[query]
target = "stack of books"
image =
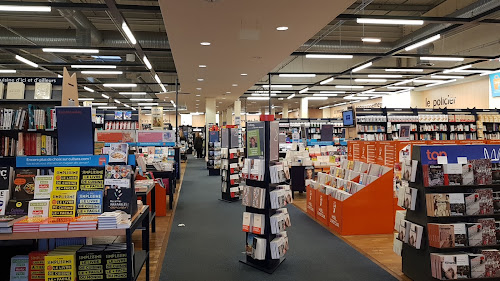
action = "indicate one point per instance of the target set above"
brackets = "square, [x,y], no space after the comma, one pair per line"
[6,223]
[83,223]
[55,224]
[113,220]
[61,262]
[28,225]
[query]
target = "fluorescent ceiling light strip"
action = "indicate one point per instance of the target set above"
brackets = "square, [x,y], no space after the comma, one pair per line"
[490,72]
[120,85]
[147,63]
[441,83]
[447,77]
[326,81]
[103,72]
[404,69]
[88,89]
[371,40]
[85,99]
[325,107]
[317,98]
[326,56]
[147,107]
[290,96]
[404,82]
[332,92]
[148,99]
[79,51]
[262,94]
[126,105]
[92,66]
[258,98]
[277,86]
[349,87]
[360,80]
[442,58]
[8,71]
[400,88]
[157,78]
[132,93]
[385,75]
[423,42]
[457,69]
[366,65]
[26,61]
[473,71]
[370,95]
[389,21]
[423,81]
[129,33]
[163,88]
[147,103]
[107,107]
[99,103]
[355,98]
[20,8]
[133,108]
[338,104]
[117,101]
[304,90]
[297,75]
[105,96]
[173,103]
[325,95]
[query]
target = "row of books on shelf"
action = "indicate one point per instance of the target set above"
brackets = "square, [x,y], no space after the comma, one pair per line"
[233,179]
[327,150]
[371,118]
[492,118]
[254,197]
[88,262]
[232,168]
[463,127]
[433,127]
[279,172]
[396,127]
[463,136]
[28,144]
[370,128]
[479,202]
[421,118]
[483,264]
[231,153]
[27,118]
[433,136]
[482,232]
[373,137]
[253,169]
[121,125]
[15,90]
[468,172]
[349,166]
[256,246]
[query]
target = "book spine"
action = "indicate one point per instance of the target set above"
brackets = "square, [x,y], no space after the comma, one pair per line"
[38,144]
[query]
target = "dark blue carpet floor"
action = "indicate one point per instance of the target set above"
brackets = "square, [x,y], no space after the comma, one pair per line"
[211,243]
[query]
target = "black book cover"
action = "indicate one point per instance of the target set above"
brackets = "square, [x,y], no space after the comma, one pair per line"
[90,262]
[23,185]
[119,199]
[4,178]
[17,208]
[91,178]
[115,259]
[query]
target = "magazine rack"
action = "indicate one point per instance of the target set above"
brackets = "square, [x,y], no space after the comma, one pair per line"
[227,194]
[368,211]
[412,256]
[268,265]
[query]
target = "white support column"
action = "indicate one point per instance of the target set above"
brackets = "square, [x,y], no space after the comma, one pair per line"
[304,108]
[210,111]
[285,110]
[229,116]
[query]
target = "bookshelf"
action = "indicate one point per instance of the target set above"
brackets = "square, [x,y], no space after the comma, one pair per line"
[230,170]
[214,146]
[266,131]
[311,127]
[412,256]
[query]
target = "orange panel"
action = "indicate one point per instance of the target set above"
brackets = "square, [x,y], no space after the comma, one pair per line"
[311,201]
[334,214]
[371,151]
[322,207]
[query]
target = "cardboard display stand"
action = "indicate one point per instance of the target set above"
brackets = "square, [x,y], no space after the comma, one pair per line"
[368,211]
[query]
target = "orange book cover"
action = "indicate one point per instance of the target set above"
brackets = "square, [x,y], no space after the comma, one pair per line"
[37,266]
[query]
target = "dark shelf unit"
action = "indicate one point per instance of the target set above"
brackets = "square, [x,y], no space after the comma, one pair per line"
[268,265]
[213,138]
[226,142]
[416,263]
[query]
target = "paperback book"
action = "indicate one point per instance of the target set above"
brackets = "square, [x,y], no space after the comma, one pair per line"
[23,185]
[89,202]
[91,178]
[38,208]
[62,203]
[4,200]
[5,177]
[482,171]
[66,178]
[17,208]
[19,268]
[43,186]
[433,175]
[37,265]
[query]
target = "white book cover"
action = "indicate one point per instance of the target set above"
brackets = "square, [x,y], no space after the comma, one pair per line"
[258,224]
[43,186]
[43,91]
[247,221]
[38,209]
[4,199]
[2,86]
[15,91]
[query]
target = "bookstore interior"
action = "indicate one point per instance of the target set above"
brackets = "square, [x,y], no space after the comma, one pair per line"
[371,126]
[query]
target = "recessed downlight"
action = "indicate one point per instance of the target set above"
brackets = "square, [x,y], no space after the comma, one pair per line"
[200,79]
[243,74]
[282,28]
[202,66]
[205,43]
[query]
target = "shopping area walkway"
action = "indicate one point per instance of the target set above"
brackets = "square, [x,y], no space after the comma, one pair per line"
[210,244]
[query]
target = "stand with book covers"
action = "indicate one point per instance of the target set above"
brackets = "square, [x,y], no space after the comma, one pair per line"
[214,146]
[452,231]
[230,169]
[261,149]
[368,211]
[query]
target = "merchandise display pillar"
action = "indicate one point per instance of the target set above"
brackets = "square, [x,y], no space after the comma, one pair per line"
[285,111]
[304,108]
[210,110]
[229,116]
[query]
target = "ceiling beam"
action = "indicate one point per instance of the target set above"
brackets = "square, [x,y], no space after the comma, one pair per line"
[105,49]
[399,55]
[396,7]
[86,6]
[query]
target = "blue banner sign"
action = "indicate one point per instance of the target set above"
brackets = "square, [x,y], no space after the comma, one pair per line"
[429,154]
[495,84]
[65,161]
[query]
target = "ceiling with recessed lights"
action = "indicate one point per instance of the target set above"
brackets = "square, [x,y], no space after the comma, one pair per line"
[246,40]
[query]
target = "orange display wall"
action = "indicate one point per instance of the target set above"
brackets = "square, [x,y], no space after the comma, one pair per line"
[368,211]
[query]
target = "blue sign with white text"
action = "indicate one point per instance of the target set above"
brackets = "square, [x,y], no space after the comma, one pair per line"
[429,154]
[65,161]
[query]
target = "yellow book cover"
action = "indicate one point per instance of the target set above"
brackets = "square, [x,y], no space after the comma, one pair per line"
[60,267]
[66,178]
[62,204]
[44,145]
